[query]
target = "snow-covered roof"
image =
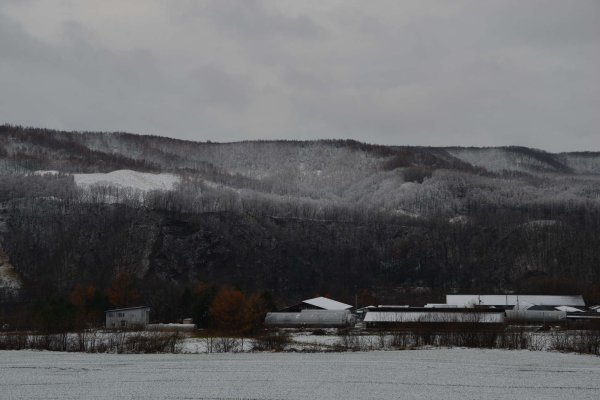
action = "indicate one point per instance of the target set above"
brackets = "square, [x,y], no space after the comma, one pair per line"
[392,306]
[439,305]
[469,300]
[568,309]
[327,304]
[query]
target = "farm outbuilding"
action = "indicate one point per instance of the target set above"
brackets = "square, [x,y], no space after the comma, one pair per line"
[415,316]
[127,318]
[310,319]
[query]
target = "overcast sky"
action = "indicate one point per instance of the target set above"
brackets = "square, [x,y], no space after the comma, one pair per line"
[471,73]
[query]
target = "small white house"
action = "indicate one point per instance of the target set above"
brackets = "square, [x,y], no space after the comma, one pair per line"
[127,318]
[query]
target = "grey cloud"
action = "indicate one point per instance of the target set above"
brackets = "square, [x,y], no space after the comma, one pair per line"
[84,86]
[301,79]
[420,73]
[251,19]
[548,22]
[213,86]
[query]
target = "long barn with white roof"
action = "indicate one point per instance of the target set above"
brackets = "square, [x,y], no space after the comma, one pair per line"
[509,301]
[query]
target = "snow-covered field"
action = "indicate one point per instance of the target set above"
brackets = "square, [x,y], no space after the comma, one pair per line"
[417,374]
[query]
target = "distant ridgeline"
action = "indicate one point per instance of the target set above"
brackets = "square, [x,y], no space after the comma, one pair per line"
[292,218]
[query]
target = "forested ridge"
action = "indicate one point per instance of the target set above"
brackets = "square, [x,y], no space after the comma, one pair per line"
[290,219]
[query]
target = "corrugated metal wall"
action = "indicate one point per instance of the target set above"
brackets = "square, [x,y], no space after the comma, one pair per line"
[314,318]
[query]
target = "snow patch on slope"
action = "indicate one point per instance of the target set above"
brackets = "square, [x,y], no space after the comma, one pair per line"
[124,178]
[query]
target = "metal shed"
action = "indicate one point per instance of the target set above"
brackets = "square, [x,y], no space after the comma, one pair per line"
[427,316]
[127,318]
[536,315]
[310,318]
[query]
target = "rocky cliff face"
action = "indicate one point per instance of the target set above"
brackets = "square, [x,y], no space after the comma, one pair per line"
[10,282]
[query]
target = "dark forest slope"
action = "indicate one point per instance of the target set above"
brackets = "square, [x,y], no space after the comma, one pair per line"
[294,218]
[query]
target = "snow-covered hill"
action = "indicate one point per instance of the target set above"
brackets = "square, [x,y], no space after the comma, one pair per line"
[412,181]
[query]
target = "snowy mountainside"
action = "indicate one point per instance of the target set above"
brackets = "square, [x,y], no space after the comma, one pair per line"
[299,167]
[412,180]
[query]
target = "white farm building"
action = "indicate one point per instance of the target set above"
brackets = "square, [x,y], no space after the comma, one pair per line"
[418,316]
[510,301]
